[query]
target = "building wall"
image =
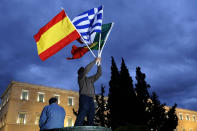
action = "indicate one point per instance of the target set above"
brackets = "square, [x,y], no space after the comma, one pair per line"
[12,105]
[32,107]
[184,124]
[4,109]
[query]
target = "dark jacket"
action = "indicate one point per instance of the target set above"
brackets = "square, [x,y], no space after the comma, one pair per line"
[86,84]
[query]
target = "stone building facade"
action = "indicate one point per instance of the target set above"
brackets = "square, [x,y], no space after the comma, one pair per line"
[22,104]
[187,120]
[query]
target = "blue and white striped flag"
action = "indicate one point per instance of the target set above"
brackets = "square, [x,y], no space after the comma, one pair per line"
[88,23]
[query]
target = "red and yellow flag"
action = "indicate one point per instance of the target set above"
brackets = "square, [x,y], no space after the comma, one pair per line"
[55,35]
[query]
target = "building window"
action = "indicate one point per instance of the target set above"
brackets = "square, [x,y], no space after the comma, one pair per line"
[21,118]
[70,101]
[25,95]
[70,121]
[187,117]
[37,118]
[194,118]
[180,116]
[40,97]
[58,98]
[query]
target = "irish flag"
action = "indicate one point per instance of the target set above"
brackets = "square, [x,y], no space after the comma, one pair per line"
[55,35]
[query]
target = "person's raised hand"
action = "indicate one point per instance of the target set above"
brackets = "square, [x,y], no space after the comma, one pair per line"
[98,61]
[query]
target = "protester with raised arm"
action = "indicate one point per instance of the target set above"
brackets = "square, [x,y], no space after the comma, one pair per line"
[87,93]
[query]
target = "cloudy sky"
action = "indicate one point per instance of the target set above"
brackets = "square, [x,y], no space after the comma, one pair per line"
[160,36]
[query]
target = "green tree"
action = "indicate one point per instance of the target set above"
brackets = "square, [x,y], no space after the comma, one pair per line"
[113,104]
[143,98]
[100,115]
[172,119]
[127,97]
[134,108]
[157,114]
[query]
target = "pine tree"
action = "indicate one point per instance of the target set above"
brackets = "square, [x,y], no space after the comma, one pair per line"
[135,107]
[100,115]
[172,119]
[113,105]
[127,97]
[157,114]
[143,97]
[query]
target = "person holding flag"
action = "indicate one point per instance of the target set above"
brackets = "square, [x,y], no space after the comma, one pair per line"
[87,93]
[88,24]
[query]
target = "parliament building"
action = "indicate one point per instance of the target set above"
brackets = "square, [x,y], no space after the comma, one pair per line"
[22,104]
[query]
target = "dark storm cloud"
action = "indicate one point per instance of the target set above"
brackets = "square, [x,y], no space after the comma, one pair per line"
[158,36]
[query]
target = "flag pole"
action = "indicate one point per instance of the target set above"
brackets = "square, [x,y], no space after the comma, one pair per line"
[99,50]
[84,41]
[106,40]
[88,46]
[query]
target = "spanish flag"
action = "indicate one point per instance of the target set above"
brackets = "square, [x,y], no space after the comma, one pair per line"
[55,35]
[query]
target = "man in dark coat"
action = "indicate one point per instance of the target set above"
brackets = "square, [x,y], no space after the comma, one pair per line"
[87,93]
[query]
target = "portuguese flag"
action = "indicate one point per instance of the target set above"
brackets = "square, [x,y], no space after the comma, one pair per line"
[78,52]
[55,35]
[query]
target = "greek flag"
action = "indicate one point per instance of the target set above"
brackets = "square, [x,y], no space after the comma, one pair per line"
[88,23]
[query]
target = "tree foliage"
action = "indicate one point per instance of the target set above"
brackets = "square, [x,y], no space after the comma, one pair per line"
[143,97]
[135,106]
[171,119]
[157,113]
[112,106]
[101,114]
[127,97]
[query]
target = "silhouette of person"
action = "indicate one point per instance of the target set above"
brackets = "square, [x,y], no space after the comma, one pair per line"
[87,93]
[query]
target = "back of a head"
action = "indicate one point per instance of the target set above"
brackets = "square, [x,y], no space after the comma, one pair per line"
[52,100]
[80,71]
